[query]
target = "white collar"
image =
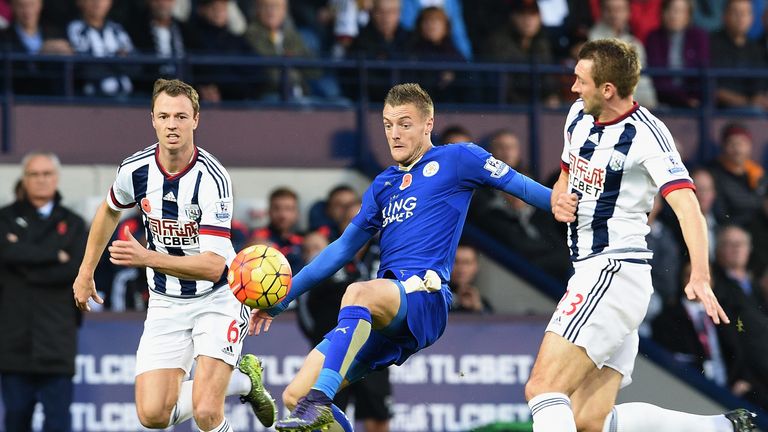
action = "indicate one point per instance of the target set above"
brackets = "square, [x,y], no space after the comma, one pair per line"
[408,167]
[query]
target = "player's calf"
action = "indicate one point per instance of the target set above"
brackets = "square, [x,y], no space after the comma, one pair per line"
[589,423]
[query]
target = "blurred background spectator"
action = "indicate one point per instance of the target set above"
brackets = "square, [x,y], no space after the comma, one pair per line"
[735,289]
[314,20]
[677,45]
[95,35]
[26,34]
[466,296]
[454,133]
[522,41]
[281,232]
[349,17]
[527,230]
[735,49]
[237,21]
[158,33]
[614,23]
[382,39]
[328,216]
[412,9]
[758,230]
[213,36]
[271,34]
[684,329]
[708,14]
[431,42]
[41,246]
[739,180]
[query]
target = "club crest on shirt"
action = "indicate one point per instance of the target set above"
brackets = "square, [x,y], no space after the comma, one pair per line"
[496,167]
[617,161]
[192,211]
[222,210]
[431,169]
[407,180]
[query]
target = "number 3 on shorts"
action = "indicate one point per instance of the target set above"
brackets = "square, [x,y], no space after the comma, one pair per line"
[571,309]
[233,332]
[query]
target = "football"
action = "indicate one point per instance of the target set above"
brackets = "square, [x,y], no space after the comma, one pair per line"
[259,276]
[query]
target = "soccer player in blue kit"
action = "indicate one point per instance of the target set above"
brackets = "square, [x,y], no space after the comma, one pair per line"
[419,207]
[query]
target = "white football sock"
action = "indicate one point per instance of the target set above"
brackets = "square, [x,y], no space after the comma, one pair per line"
[551,412]
[239,384]
[643,417]
[182,411]
[223,427]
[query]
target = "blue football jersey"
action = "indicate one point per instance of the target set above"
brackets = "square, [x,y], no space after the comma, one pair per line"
[421,210]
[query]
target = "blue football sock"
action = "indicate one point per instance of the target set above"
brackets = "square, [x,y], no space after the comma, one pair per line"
[349,336]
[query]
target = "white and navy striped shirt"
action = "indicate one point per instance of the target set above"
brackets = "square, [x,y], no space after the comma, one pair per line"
[617,169]
[184,214]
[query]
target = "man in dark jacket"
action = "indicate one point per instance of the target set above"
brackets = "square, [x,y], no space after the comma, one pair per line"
[41,246]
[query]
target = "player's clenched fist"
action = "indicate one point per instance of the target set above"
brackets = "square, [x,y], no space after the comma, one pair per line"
[565,207]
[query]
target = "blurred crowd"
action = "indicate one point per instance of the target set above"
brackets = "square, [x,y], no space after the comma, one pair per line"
[670,35]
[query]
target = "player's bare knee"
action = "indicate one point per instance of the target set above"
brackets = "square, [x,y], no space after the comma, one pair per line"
[356,294]
[207,416]
[531,389]
[153,418]
[536,385]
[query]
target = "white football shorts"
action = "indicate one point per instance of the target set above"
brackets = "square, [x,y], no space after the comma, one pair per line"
[602,309]
[178,330]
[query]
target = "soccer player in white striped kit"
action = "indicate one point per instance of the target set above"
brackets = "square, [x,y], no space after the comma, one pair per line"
[616,157]
[185,196]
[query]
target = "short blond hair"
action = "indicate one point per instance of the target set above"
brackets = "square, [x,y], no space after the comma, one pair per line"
[410,93]
[613,61]
[175,88]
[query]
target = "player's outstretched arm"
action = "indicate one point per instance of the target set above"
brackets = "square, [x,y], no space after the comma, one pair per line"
[104,223]
[694,227]
[530,191]
[204,266]
[325,264]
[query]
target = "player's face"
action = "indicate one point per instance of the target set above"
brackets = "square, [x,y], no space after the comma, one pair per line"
[585,86]
[174,121]
[407,132]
